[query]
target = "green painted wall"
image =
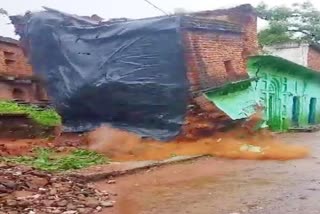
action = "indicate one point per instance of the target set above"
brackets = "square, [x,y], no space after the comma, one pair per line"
[237,105]
[283,86]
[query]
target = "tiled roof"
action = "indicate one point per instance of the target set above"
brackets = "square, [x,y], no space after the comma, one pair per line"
[243,7]
[9,40]
[191,22]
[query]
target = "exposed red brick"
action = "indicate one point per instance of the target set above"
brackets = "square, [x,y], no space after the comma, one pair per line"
[12,60]
[246,17]
[206,54]
[13,68]
[214,59]
[314,58]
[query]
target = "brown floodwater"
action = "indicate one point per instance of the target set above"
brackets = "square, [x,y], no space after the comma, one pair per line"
[124,146]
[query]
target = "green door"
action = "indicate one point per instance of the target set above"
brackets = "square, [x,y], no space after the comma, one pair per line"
[312,111]
[274,117]
[296,111]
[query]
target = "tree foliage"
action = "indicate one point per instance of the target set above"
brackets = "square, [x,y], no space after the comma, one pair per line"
[300,23]
[3,12]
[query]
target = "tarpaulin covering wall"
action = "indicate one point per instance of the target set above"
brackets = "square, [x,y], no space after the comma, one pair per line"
[128,74]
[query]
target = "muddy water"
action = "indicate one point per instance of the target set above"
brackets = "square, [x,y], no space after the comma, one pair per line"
[124,146]
[222,186]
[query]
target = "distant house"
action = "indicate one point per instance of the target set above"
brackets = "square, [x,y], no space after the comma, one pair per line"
[304,54]
[289,92]
[17,81]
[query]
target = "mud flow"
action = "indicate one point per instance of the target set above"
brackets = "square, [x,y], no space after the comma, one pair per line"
[238,143]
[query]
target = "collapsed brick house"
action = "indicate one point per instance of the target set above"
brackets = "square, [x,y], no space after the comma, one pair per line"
[16,78]
[210,62]
[218,58]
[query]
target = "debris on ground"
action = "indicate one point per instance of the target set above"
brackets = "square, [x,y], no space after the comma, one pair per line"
[111,181]
[251,148]
[24,190]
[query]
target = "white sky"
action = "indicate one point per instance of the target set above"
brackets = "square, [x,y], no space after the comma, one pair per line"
[121,8]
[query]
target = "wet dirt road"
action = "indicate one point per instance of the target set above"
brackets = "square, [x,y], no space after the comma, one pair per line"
[221,186]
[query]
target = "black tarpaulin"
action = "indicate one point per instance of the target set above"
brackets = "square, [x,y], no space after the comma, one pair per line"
[128,74]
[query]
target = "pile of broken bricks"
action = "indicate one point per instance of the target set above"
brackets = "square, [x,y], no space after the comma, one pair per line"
[24,190]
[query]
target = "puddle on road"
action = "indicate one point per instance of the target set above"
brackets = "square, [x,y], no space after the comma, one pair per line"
[123,146]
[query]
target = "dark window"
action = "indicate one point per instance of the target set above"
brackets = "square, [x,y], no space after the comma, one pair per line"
[8,53]
[229,67]
[18,94]
[8,57]
[9,61]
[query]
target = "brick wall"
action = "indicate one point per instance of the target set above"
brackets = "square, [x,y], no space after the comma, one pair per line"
[13,65]
[12,60]
[246,17]
[213,59]
[5,92]
[208,56]
[27,92]
[314,59]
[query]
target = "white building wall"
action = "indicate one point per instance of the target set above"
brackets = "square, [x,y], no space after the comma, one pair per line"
[297,53]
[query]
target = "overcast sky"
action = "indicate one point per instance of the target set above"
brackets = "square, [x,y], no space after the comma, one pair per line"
[120,8]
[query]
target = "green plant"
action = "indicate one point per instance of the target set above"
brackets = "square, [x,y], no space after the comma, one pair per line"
[49,160]
[46,117]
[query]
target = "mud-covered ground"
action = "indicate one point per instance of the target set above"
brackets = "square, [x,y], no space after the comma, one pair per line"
[221,186]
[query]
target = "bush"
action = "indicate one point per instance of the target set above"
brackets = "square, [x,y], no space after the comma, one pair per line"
[45,117]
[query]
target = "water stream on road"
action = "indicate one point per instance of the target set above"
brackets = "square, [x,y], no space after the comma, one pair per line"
[235,144]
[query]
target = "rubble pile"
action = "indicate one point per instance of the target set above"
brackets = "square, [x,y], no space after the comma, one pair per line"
[24,190]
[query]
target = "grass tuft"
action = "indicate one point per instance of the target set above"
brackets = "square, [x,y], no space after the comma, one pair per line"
[49,160]
[45,117]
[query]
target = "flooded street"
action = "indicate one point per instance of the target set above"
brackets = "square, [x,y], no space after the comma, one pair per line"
[222,186]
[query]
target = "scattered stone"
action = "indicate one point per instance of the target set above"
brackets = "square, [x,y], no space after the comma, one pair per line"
[84,210]
[62,203]
[71,207]
[11,203]
[92,202]
[70,212]
[111,182]
[106,203]
[22,194]
[36,192]
[3,189]
[37,182]
[9,184]
[48,203]
[53,191]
